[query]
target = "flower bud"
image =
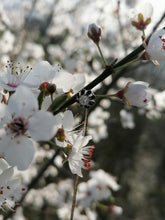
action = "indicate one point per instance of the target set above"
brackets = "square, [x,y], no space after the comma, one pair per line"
[94,32]
[141,17]
[135,94]
[48,88]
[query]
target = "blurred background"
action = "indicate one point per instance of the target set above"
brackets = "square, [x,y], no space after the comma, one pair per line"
[129,142]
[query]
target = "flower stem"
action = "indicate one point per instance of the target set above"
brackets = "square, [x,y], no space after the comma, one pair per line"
[126,64]
[54,145]
[74,197]
[51,96]
[101,206]
[143,36]
[106,96]
[77,177]
[101,54]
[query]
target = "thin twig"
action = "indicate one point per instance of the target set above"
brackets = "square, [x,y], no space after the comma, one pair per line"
[77,177]
[109,70]
[121,28]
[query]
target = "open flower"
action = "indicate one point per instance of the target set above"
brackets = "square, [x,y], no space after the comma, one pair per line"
[80,155]
[20,121]
[135,94]
[8,187]
[97,188]
[66,122]
[43,72]
[14,76]
[156,46]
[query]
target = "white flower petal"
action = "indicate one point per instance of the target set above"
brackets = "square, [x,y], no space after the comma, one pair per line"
[39,74]
[20,153]
[5,114]
[6,175]
[75,167]
[23,102]
[42,126]
[155,46]
[68,120]
[3,164]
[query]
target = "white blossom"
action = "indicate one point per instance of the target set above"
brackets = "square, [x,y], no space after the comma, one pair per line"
[127,119]
[135,94]
[64,81]
[81,154]
[66,125]
[156,45]
[8,187]
[20,121]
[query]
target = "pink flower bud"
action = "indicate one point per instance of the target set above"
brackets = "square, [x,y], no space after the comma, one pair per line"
[94,32]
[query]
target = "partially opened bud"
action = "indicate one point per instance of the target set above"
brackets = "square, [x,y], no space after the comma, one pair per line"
[94,32]
[141,16]
[156,45]
[135,94]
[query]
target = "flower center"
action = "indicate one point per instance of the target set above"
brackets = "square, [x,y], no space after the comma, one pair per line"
[60,135]
[18,126]
[16,74]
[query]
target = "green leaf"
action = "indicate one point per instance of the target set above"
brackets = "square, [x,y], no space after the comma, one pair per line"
[134,23]
[148,20]
[58,102]
[140,17]
[41,98]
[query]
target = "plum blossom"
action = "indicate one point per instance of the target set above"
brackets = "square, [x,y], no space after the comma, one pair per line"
[156,46]
[127,119]
[78,154]
[95,189]
[8,187]
[64,81]
[21,122]
[14,76]
[135,94]
[66,122]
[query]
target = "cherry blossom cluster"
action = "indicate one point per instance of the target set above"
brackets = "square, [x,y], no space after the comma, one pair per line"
[35,110]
